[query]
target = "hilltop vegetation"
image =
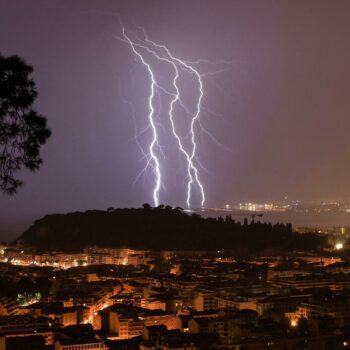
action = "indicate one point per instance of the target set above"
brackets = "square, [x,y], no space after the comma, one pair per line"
[159,228]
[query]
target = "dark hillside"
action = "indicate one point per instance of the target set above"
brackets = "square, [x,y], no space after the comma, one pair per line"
[158,228]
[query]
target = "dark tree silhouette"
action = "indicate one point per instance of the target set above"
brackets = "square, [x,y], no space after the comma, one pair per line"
[146,206]
[22,129]
[145,228]
[303,326]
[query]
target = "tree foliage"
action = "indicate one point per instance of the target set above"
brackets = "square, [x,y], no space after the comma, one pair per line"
[22,129]
[160,228]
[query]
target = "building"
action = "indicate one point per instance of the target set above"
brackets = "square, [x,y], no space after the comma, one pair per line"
[79,344]
[125,324]
[204,301]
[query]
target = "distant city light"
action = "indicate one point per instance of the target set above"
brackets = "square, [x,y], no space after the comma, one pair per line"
[293,323]
[338,246]
[261,207]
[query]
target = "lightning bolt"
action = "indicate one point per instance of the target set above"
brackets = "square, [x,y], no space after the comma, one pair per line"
[189,156]
[162,53]
[154,141]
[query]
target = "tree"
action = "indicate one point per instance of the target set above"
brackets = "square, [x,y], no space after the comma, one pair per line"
[22,129]
[303,326]
[146,206]
[327,324]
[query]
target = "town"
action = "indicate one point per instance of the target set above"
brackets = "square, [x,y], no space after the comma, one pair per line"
[105,298]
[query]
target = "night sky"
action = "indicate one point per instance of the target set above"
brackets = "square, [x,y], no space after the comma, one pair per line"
[281,108]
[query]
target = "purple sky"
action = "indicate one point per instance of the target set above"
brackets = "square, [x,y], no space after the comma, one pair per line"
[282,108]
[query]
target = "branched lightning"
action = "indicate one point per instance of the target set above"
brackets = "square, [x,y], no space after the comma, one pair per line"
[154,141]
[162,53]
[190,156]
[137,134]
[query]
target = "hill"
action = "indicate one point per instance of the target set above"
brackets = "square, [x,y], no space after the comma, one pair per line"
[159,228]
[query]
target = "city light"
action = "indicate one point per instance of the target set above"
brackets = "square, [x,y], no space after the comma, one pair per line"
[338,246]
[260,207]
[293,323]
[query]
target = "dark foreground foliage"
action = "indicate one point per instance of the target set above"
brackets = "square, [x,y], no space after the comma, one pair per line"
[159,228]
[22,129]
